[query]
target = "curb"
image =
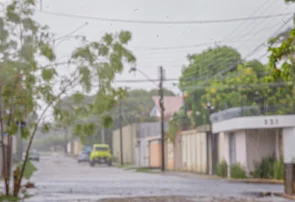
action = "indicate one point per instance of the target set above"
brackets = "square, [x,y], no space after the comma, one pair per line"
[277,194]
[188,174]
[214,177]
[286,196]
[257,181]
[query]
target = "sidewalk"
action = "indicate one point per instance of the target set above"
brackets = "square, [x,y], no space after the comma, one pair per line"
[247,180]
[256,181]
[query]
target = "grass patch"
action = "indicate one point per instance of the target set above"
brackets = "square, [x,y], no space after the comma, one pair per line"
[237,172]
[146,170]
[8,198]
[222,169]
[123,166]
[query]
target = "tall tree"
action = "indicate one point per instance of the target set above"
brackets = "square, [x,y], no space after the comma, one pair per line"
[35,86]
[198,74]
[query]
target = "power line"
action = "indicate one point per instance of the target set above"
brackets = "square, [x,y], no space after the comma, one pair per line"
[144,80]
[208,42]
[241,24]
[223,71]
[72,32]
[242,86]
[252,52]
[166,22]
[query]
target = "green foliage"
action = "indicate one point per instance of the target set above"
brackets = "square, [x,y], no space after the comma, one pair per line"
[237,172]
[9,198]
[29,170]
[48,142]
[174,127]
[222,169]
[201,67]
[178,122]
[279,170]
[136,106]
[48,74]
[235,88]
[23,41]
[265,169]
[269,168]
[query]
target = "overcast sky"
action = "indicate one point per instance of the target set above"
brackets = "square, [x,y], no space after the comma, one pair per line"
[244,36]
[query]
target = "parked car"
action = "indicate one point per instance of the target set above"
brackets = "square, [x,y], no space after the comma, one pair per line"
[34,155]
[87,148]
[83,156]
[100,154]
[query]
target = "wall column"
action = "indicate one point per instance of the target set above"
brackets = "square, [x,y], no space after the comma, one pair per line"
[289,160]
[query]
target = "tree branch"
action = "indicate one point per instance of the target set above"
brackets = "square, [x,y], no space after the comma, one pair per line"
[34,132]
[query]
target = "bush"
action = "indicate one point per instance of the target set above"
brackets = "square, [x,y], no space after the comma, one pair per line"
[279,170]
[222,169]
[265,169]
[236,171]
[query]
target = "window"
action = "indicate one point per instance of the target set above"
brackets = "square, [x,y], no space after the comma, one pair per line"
[101,148]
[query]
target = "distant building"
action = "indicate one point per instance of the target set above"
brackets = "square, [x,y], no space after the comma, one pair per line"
[172,104]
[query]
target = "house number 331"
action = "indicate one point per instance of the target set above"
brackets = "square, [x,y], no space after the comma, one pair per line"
[271,121]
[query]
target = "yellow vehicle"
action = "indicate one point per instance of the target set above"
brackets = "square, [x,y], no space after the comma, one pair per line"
[100,154]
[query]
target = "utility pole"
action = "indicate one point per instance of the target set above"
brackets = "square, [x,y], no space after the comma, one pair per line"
[18,141]
[161,93]
[121,133]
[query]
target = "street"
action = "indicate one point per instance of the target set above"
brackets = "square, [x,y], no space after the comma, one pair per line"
[61,178]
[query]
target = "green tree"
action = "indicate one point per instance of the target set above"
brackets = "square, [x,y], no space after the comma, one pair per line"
[34,86]
[282,49]
[136,107]
[198,75]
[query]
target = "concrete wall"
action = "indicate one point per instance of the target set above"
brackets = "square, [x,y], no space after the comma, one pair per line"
[194,151]
[142,158]
[144,131]
[260,144]
[150,129]
[251,146]
[129,144]
[69,149]
[169,155]
[77,147]
[155,153]
[289,148]
[254,122]
[241,148]
[222,145]
[178,152]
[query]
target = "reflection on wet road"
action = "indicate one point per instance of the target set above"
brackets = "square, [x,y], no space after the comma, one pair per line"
[61,178]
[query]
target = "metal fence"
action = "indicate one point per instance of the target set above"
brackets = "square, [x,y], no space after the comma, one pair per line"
[251,111]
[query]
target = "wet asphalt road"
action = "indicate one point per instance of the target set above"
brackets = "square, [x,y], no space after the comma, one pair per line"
[61,178]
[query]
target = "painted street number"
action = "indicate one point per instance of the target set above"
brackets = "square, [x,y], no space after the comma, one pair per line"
[271,121]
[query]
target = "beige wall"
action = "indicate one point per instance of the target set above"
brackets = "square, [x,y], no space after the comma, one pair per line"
[251,147]
[194,151]
[155,151]
[241,149]
[129,144]
[77,147]
[222,152]
[170,155]
[178,152]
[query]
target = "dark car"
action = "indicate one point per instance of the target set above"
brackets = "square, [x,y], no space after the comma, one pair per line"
[83,156]
[34,155]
